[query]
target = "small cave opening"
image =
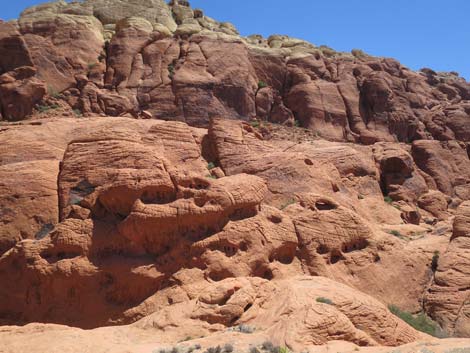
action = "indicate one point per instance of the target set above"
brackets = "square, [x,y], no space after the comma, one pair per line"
[243,213]
[355,245]
[275,219]
[324,205]
[335,257]
[322,249]
[284,255]
[268,274]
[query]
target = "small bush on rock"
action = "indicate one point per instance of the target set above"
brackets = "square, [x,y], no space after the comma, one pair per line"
[262,84]
[324,300]
[420,322]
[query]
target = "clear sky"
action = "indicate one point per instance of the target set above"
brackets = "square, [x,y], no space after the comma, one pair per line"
[419,33]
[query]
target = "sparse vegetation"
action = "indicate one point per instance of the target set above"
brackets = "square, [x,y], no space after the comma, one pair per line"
[210,166]
[268,346]
[52,92]
[396,233]
[388,199]
[210,176]
[243,328]
[327,51]
[227,348]
[171,70]
[271,348]
[255,123]
[435,261]
[358,53]
[262,84]
[91,66]
[296,123]
[287,203]
[324,300]
[45,108]
[420,322]
[77,113]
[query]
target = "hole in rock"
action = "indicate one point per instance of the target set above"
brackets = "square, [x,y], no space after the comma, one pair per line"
[243,213]
[308,162]
[335,257]
[324,205]
[61,255]
[355,245]
[275,219]
[284,255]
[268,274]
[247,307]
[322,249]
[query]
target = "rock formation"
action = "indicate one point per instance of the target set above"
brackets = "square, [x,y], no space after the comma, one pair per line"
[169,179]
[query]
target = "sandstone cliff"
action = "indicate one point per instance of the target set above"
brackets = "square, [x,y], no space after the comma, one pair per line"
[163,175]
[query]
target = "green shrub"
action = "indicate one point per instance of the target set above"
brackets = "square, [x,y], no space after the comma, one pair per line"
[396,233]
[287,203]
[77,113]
[227,348]
[44,108]
[420,322]
[296,123]
[211,166]
[435,261]
[262,84]
[255,123]
[243,328]
[171,70]
[324,300]
[92,65]
[210,176]
[388,199]
[358,53]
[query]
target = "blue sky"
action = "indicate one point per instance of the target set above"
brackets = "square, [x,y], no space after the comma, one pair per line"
[419,33]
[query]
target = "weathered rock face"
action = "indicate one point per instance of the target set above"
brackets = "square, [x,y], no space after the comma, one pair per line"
[134,210]
[259,201]
[171,60]
[448,297]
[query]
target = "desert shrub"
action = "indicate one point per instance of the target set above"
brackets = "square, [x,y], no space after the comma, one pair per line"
[255,123]
[77,113]
[217,349]
[171,70]
[210,176]
[420,322]
[268,346]
[395,233]
[435,261]
[287,203]
[243,328]
[358,53]
[262,84]
[45,108]
[227,348]
[327,51]
[296,123]
[210,166]
[324,300]
[91,65]
[388,199]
